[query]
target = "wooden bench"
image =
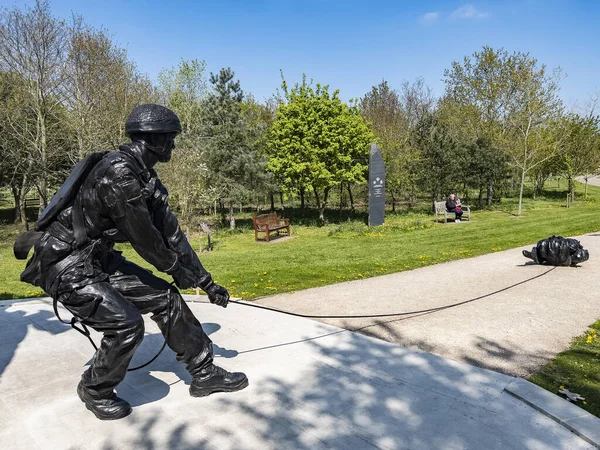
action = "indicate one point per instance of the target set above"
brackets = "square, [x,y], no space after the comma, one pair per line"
[441,211]
[265,223]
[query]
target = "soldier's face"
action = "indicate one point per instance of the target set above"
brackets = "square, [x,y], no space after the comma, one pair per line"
[168,144]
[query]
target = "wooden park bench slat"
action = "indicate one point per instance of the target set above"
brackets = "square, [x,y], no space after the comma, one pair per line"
[265,223]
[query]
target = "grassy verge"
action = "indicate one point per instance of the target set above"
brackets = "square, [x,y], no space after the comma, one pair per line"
[576,369]
[318,256]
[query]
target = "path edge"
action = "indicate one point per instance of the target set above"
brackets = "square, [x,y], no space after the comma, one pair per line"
[565,413]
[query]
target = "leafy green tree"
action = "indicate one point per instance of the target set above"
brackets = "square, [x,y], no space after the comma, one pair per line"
[317,142]
[394,115]
[184,88]
[507,99]
[579,154]
[534,104]
[474,106]
[382,107]
[443,159]
[234,168]
[486,166]
[258,118]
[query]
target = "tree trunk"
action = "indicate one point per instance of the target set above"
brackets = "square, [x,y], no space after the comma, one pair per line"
[393,202]
[231,217]
[272,202]
[341,198]
[317,199]
[571,188]
[18,206]
[586,185]
[521,192]
[43,181]
[281,200]
[23,206]
[323,205]
[222,210]
[351,197]
[489,194]
[412,199]
[480,197]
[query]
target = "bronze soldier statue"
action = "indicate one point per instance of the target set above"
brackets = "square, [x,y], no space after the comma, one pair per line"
[117,197]
[558,251]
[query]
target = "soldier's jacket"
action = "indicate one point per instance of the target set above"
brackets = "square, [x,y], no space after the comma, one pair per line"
[121,200]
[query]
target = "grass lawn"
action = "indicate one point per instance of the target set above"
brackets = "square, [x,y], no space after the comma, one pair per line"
[318,256]
[576,369]
[349,250]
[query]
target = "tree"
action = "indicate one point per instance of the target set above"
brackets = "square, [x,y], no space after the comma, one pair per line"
[33,45]
[579,153]
[382,107]
[317,142]
[17,159]
[393,116]
[233,164]
[474,107]
[533,103]
[485,166]
[442,157]
[506,99]
[184,89]
[258,118]
[101,88]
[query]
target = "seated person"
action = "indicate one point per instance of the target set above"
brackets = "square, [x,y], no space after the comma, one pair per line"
[453,205]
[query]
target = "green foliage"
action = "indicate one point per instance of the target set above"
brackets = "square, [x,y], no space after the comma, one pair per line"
[318,256]
[442,157]
[183,89]
[577,370]
[507,99]
[579,152]
[390,121]
[317,142]
[234,166]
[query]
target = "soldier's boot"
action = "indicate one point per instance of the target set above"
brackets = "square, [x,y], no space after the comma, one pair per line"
[107,408]
[216,379]
[531,255]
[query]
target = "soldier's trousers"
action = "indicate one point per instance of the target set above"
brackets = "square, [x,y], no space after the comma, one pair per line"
[114,307]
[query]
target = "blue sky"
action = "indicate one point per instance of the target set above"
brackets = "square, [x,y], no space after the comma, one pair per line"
[350,45]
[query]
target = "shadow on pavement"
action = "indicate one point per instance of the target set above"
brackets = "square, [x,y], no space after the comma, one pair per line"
[325,389]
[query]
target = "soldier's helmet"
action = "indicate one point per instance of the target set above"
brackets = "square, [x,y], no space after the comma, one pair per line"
[151,118]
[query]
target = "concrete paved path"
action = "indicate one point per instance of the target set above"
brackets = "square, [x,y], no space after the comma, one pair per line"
[594,181]
[514,331]
[312,386]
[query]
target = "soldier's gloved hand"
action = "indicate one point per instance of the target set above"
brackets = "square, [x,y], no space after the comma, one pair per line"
[217,294]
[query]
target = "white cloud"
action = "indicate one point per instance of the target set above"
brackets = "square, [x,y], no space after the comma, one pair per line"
[468,11]
[429,18]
